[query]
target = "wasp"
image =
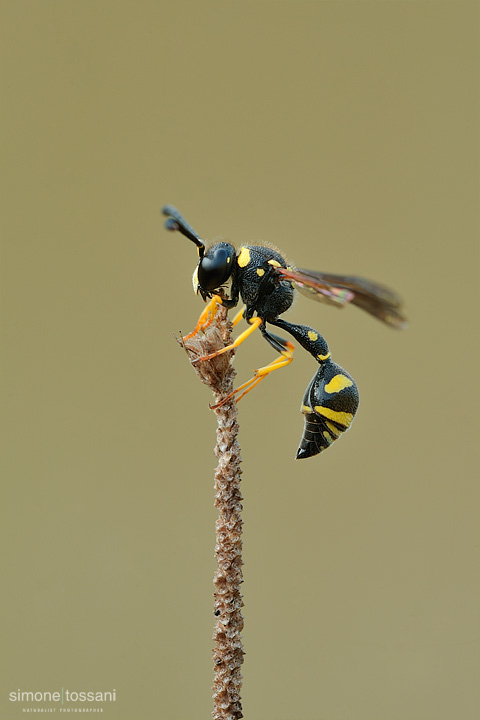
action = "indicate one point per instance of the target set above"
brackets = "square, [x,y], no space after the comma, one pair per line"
[266,283]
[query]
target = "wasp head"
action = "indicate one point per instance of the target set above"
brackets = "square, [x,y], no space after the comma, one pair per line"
[215,265]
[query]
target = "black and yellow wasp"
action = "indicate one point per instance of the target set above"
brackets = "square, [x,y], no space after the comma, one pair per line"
[260,276]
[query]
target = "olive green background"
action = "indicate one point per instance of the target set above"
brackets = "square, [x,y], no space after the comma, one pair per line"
[347,134]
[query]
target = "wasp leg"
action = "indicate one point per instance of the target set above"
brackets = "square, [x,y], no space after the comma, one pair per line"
[284,359]
[206,316]
[284,347]
[254,324]
[238,316]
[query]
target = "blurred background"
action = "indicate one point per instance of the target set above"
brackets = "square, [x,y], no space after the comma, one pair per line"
[345,133]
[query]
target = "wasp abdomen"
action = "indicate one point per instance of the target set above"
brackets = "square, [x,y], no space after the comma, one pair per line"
[329,406]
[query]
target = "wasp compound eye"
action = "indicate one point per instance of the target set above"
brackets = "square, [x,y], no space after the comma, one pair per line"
[216,266]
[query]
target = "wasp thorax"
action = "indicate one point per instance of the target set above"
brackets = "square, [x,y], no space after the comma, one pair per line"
[215,267]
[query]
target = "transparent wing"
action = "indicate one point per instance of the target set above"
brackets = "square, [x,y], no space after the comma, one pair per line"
[340,290]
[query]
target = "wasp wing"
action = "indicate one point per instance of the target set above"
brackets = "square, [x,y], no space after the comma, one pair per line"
[340,290]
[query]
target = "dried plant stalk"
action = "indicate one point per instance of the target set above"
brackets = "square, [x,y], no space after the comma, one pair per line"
[228,653]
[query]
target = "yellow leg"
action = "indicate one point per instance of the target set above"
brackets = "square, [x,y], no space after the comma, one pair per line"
[238,316]
[206,316]
[281,361]
[254,324]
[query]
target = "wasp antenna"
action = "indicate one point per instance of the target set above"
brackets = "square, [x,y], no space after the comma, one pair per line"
[177,222]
